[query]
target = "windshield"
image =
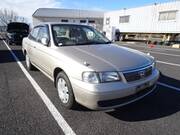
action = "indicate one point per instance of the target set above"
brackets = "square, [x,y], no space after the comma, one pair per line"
[65,35]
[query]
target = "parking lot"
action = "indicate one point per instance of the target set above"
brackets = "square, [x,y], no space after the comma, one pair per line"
[29,103]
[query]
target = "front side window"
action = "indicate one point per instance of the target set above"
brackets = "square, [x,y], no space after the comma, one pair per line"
[43,33]
[65,35]
[34,33]
[167,15]
[124,19]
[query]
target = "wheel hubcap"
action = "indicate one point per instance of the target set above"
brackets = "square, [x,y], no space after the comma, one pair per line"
[63,90]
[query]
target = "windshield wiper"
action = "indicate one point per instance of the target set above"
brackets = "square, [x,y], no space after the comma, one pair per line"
[92,43]
[85,43]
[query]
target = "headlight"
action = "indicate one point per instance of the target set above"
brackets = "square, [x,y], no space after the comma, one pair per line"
[94,77]
[90,77]
[109,76]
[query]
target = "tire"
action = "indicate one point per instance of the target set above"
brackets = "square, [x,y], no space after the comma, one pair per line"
[28,63]
[65,91]
[9,42]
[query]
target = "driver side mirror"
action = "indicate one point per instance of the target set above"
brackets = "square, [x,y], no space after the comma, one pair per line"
[45,41]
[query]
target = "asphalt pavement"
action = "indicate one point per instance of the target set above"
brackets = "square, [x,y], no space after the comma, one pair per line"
[22,111]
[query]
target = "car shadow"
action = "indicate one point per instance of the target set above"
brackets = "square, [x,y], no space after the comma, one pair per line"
[169,81]
[161,103]
[6,57]
[1,38]
[80,108]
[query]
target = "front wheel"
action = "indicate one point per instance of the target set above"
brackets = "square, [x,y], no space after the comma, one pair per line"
[65,91]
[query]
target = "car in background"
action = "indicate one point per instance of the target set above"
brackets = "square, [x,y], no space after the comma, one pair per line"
[87,68]
[16,31]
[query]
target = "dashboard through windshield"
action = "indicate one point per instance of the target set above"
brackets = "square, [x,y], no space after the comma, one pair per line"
[67,35]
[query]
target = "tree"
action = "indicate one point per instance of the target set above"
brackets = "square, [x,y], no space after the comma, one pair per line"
[22,19]
[7,16]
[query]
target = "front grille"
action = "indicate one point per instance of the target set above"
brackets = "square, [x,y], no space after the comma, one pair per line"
[114,102]
[138,74]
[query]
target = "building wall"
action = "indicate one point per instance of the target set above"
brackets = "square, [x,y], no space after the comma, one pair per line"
[145,19]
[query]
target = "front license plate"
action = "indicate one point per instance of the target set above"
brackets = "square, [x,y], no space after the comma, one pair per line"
[142,87]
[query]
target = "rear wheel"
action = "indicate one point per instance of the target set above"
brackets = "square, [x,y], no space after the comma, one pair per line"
[28,63]
[65,91]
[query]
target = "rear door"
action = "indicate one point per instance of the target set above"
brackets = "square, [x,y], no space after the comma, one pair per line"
[43,59]
[32,43]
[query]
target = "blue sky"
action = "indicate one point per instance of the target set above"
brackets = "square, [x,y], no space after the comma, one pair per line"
[108,4]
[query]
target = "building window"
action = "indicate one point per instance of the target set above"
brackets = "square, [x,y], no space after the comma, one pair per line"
[167,15]
[91,21]
[108,21]
[64,20]
[83,21]
[124,19]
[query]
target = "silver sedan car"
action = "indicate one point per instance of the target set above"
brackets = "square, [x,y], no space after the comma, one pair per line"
[87,68]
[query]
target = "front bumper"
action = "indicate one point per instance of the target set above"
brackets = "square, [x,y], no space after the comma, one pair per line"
[112,95]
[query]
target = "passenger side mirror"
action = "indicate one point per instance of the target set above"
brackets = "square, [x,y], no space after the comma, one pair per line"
[45,41]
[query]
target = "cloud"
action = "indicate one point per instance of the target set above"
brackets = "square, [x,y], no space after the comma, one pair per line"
[26,8]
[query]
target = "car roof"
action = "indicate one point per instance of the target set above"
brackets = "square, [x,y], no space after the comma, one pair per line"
[58,23]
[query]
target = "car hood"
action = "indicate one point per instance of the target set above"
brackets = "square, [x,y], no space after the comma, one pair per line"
[107,57]
[17,27]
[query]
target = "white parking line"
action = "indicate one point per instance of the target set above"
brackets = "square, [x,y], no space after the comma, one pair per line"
[53,110]
[174,55]
[168,86]
[163,62]
[156,52]
[167,63]
[145,46]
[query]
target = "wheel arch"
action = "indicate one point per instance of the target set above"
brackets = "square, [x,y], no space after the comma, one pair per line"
[57,70]
[24,52]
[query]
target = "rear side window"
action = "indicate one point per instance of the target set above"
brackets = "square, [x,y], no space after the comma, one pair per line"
[34,33]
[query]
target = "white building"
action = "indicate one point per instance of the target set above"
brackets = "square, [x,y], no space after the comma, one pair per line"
[93,18]
[157,22]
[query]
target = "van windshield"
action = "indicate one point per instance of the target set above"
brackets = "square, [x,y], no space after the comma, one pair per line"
[66,35]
